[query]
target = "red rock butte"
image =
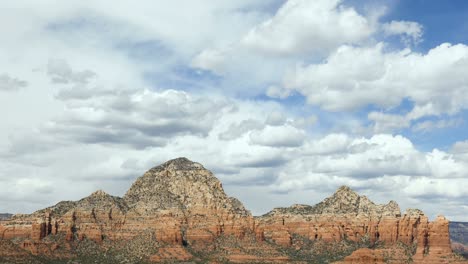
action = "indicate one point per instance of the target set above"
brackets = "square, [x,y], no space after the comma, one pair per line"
[179,212]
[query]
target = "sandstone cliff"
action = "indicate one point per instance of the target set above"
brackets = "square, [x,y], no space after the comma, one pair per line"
[348,216]
[178,211]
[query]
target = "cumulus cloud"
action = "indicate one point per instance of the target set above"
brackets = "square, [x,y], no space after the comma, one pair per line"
[211,60]
[9,84]
[301,26]
[278,136]
[276,119]
[142,119]
[409,32]
[388,122]
[380,155]
[330,144]
[434,80]
[236,130]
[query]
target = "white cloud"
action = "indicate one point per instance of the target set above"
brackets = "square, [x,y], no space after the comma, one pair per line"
[237,130]
[388,122]
[434,80]
[410,32]
[302,26]
[330,144]
[428,125]
[278,136]
[380,155]
[211,60]
[142,118]
[276,118]
[356,160]
[385,123]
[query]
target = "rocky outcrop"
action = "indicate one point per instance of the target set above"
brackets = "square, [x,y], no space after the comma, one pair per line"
[344,215]
[180,202]
[348,216]
[192,201]
[178,211]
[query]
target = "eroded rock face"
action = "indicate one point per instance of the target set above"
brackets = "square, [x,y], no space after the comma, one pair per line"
[348,216]
[191,199]
[181,202]
[178,211]
[344,215]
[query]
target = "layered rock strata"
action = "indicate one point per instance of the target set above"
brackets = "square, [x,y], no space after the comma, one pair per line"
[349,216]
[182,209]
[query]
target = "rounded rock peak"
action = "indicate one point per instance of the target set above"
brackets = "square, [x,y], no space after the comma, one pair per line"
[440,218]
[299,206]
[345,188]
[345,192]
[181,163]
[99,193]
[414,212]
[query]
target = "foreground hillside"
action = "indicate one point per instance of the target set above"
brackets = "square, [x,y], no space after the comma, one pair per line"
[179,212]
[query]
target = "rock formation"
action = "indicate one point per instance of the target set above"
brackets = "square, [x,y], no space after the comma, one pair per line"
[349,216]
[178,211]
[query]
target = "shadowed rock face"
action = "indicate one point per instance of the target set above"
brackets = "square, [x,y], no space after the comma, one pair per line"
[178,211]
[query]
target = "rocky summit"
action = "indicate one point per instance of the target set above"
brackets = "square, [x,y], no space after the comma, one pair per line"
[179,212]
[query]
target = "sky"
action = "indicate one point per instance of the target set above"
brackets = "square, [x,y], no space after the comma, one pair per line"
[284,101]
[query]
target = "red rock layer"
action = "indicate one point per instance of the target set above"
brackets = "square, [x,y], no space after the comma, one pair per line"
[183,204]
[205,226]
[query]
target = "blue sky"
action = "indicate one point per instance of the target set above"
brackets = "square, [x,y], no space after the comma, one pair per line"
[287,100]
[444,21]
